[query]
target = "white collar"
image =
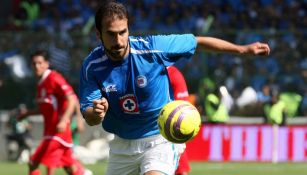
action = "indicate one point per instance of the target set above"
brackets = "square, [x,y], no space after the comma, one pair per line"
[44,76]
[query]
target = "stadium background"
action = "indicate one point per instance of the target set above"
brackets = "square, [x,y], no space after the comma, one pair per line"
[65,28]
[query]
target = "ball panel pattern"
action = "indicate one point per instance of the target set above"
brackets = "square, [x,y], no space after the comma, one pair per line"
[179,121]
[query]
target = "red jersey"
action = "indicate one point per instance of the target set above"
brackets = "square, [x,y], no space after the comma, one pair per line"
[178,84]
[52,90]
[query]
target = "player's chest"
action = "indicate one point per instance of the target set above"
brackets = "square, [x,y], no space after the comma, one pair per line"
[136,78]
[45,94]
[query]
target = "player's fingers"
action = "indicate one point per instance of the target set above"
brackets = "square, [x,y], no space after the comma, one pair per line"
[99,106]
[264,51]
[103,100]
[98,111]
[260,49]
[96,101]
[105,103]
[264,48]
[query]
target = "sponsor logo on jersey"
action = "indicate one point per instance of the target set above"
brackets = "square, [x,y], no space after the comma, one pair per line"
[129,104]
[141,81]
[110,88]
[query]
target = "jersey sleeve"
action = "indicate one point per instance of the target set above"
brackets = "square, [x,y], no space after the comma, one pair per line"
[62,87]
[174,47]
[178,84]
[88,88]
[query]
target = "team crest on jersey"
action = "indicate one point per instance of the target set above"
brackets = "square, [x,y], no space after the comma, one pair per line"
[43,93]
[141,81]
[129,104]
[43,98]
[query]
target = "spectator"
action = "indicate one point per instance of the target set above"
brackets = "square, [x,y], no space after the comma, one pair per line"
[19,133]
[216,111]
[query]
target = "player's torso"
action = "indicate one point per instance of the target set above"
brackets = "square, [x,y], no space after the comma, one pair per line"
[47,96]
[51,103]
[135,86]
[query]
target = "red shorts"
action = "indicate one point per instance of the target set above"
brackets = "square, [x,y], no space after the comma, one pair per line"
[184,165]
[51,153]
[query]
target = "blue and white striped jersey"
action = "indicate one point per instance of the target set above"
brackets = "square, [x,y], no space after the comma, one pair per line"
[137,87]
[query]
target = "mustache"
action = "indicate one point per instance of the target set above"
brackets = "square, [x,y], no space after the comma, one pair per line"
[116,47]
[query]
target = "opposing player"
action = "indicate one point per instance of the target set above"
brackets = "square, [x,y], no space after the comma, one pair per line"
[180,92]
[55,98]
[124,85]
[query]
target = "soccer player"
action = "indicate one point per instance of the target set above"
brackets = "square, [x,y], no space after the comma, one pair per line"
[124,85]
[55,98]
[76,126]
[180,92]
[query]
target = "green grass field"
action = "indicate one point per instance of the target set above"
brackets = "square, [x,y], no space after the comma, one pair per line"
[198,168]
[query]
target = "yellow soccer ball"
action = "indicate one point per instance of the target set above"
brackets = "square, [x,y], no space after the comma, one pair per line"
[179,121]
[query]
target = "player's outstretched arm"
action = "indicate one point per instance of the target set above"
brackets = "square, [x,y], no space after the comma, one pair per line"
[218,45]
[95,115]
[27,113]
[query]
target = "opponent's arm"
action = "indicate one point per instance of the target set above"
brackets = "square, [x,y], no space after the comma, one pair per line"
[66,117]
[95,115]
[79,118]
[27,113]
[218,45]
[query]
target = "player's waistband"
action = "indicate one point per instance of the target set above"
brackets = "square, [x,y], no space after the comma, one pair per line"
[60,140]
[132,146]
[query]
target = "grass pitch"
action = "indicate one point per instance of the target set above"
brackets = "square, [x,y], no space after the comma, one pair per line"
[198,168]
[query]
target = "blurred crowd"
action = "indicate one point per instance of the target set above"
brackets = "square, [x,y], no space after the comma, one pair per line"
[162,16]
[66,28]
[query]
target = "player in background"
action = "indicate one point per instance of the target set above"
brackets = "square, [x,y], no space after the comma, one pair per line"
[56,103]
[124,85]
[180,92]
[76,126]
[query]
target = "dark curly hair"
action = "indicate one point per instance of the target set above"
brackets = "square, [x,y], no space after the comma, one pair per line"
[112,10]
[39,52]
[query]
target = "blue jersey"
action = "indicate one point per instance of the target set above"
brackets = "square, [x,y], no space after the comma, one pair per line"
[137,87]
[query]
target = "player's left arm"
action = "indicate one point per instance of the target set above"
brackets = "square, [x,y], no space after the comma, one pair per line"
[67,114]
[218,45]
[79,118]
[62,88]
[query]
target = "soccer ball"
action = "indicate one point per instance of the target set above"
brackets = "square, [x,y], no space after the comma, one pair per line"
[179,121]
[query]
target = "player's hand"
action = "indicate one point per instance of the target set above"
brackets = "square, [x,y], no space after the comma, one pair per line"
[61,126]
[95,115]
[100,107]
[256,48]
[80,127]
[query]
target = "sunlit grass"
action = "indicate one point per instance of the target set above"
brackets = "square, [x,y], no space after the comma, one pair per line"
[198,168]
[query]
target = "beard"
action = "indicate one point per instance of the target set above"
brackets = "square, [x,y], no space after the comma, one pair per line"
[117,53]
